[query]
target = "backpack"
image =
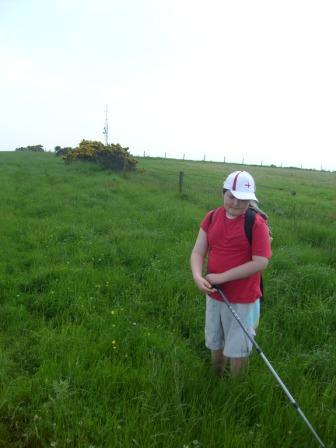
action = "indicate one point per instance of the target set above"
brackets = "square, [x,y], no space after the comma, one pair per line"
[250,216]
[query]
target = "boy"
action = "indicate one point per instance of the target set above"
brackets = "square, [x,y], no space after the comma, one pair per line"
[234,265]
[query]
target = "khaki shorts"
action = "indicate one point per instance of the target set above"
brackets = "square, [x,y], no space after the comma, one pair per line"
[222,330]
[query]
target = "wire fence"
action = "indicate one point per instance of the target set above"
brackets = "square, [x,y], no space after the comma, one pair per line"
[284,196]
[242,160]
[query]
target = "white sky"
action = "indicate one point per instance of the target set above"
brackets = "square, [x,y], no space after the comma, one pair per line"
[240,79]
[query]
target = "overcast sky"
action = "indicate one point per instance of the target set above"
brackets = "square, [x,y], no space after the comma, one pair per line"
[240,79]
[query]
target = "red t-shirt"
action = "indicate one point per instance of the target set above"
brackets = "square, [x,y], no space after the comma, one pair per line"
[229,247]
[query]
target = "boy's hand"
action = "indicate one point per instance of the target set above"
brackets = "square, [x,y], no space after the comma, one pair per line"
[204,285]
[214,279]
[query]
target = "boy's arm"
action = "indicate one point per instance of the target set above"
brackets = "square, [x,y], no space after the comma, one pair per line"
[196,261]
[257,264]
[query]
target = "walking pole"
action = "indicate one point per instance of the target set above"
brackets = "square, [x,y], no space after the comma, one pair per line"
[276,376]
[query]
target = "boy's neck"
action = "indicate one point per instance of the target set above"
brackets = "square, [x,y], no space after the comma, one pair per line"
[229,216]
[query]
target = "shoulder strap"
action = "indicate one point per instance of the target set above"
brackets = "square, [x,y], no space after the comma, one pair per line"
[250,216]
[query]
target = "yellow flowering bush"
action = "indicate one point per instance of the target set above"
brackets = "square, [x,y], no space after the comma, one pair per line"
[111,156]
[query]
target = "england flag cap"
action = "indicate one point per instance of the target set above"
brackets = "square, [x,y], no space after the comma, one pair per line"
[241,184]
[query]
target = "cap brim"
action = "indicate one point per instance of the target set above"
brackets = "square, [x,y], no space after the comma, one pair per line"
[244,196]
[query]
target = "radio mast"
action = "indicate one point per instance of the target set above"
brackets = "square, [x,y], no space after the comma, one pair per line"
[105,132]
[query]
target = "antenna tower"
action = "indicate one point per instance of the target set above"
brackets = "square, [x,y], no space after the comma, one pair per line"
[105,132]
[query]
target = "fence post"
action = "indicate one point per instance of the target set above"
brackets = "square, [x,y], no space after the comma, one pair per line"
[181,182]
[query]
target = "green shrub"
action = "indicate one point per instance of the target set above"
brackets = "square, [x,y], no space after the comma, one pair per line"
[59,151]
[35,148]
[111,156]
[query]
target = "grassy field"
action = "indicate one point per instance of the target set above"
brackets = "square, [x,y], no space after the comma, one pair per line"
[101,326]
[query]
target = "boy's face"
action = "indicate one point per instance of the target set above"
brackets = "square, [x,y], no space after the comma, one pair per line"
[234,207]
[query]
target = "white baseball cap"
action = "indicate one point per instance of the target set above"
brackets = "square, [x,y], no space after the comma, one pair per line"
[241,184]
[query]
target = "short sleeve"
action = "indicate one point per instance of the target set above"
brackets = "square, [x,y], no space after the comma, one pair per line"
[205,223]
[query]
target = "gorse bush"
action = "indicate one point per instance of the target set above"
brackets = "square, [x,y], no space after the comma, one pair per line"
[111,156]
[116,157]
[34,148]
[86,150]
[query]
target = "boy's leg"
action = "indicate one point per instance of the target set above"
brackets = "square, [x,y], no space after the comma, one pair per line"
[219,361]
[238,366]
[214,335]
[238,347]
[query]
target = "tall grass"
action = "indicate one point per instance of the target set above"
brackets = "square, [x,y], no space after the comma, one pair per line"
[102,327]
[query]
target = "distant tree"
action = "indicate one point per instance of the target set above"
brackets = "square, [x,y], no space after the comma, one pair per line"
[59,151]
[35,148]
[111,156]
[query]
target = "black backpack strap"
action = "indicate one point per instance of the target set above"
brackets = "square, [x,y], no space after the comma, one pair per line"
[261,289]
[250,216]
